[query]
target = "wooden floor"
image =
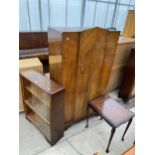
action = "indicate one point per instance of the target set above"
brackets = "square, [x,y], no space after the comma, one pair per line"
[77,139]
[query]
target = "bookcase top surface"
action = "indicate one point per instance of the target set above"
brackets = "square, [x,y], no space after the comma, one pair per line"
[49,86]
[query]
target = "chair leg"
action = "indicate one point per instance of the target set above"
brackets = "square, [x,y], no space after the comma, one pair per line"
[126,129]
[87,116]
[111,136]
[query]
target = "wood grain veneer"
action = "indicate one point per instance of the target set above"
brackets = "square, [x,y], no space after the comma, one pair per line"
[33,40]
[87,57]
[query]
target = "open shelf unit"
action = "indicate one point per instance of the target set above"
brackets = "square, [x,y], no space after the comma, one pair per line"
[39,109]
[43,102]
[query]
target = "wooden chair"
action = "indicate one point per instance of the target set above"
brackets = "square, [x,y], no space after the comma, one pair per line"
[112,112]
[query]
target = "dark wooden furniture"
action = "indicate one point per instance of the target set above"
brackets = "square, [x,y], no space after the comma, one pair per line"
[112,112]
[44,104]
[41,53]
[130,151]
[128,83]
[87,58]
[33,40]
[120,62]
[34,44]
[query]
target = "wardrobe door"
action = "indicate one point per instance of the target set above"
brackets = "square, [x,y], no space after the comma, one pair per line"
[96,53]
[85,62]
[111,45]
[70,42]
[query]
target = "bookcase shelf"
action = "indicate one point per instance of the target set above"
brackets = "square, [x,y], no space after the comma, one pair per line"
[43,102]
[41,96]
[27,64]
[40,124]
[38,109]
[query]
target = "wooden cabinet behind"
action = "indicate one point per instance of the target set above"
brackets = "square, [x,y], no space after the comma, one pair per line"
[120,61]
[129,28]
[128,84]
[34,44]
[87,58]
[44,104]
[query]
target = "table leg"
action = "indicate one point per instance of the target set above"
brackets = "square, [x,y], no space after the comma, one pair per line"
[87,116]
[126,129]
[111,136]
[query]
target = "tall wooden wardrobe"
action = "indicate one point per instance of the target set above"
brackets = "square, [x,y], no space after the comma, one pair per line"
[82,64]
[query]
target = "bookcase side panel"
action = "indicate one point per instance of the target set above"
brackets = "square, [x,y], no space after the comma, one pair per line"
[57,116]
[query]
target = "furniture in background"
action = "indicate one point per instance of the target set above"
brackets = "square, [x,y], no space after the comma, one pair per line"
[44,104]
[39,48]
[125,44]
[87,58]
[34,44]
[33,40]
[129,28]
[130,151]
[112,112]
[26,64]
[127,88]
[120,62]
[55,64]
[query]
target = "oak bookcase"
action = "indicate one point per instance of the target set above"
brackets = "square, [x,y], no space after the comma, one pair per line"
[43,102]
